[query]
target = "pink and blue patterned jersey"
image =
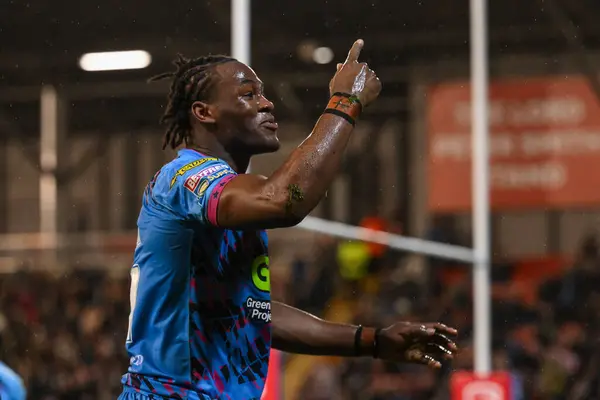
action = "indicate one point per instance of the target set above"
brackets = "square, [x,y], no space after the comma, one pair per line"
[200,317]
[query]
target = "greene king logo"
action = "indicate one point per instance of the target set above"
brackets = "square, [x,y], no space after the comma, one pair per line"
[261,277]
[258,310]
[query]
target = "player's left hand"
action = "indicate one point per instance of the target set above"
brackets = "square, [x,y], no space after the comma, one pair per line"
[426,344]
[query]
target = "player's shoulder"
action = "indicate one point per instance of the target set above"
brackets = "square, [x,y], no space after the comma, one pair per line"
[189,173]
[190,166]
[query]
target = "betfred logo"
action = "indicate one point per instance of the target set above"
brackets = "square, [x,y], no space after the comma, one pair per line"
[211,170]
[191,183]
[469,386]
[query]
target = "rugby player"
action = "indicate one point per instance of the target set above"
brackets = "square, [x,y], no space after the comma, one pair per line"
[202,322]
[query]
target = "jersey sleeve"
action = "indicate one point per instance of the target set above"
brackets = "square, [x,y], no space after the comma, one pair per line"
[200,191]
[11,383]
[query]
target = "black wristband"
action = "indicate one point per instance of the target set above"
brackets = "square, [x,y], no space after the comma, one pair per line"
[376,343]
[340,114]
[357,340]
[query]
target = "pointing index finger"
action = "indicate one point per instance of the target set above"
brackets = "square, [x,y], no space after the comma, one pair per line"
[355,51]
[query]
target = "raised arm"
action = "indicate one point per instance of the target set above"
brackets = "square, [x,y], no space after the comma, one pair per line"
[287,196]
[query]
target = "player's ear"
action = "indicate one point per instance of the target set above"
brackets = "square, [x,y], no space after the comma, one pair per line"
[203,112]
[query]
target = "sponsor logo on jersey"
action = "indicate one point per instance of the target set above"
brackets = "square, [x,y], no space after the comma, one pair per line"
[211,170]
[194,164]
[219,174]
[193,182]
[261,276]
[203,187]
[258,310]
[200,181]
[136,362]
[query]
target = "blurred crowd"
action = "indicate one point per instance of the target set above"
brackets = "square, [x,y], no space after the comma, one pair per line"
[65,334]
[545,335]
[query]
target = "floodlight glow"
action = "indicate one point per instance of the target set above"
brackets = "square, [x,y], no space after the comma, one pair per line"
[115,60]
[322,55]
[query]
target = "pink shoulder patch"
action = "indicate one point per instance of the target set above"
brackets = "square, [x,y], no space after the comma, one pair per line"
[213,200]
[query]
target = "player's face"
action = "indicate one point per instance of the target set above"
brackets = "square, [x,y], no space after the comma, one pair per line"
[242,113]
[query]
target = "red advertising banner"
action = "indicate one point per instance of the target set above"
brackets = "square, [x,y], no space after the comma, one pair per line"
[468,386]
[273,385]
[544,144]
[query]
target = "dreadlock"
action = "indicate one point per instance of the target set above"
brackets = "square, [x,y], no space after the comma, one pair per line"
[191,81]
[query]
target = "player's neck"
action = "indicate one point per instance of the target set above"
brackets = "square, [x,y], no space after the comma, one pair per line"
[208,144]
[239,164]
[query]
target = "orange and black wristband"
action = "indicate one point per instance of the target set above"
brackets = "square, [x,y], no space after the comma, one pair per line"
[344,105]
[366,340]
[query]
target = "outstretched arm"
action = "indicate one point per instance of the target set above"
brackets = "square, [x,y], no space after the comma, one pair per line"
[296,331]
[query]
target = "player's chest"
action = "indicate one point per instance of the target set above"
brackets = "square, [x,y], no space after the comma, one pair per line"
[244,244]
[233,256]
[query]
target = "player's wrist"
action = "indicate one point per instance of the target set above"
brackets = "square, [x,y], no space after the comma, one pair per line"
[344,105]
[376,342]
[366,341]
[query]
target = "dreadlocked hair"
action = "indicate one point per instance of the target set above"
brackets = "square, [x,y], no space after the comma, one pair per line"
[191,81]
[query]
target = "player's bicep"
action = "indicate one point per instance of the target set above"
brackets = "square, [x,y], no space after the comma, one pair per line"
[218,196]
[251,202]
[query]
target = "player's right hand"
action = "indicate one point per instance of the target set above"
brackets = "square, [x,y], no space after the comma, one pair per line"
[426,344]
[356,78]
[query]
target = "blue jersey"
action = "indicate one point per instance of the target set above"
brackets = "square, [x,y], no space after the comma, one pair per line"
[200,322]
[11,385]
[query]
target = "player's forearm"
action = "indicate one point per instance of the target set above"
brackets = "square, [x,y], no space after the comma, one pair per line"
[309,171]
[295,331]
